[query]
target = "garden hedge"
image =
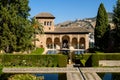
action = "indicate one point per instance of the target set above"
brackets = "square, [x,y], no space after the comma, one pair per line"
[34,60]
[105,56]
[92,59]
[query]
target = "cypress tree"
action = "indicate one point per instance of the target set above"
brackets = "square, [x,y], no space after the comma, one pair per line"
[101,27]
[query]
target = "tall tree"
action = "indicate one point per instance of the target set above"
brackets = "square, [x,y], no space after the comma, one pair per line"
[101,26]
[16,31]
[116,20]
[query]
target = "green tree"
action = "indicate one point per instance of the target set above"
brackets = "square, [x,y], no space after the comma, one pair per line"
[116,20]
[101,27]
[15,28]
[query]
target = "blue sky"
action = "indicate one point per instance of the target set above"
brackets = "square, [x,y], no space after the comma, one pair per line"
[65,10]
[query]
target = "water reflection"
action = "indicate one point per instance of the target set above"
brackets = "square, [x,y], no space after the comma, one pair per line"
[65,51]
[109,76]
[52,76]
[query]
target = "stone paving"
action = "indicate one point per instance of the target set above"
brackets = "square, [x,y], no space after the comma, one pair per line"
[71,72]
[101,69]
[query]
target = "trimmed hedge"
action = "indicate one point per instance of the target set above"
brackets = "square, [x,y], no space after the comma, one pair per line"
[92,59]
[34,60]
[105,56]
[84,58]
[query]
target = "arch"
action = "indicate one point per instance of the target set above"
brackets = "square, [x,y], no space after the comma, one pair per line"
[65,41]
[49,43]
[57,43]
[82,43]
[74,42]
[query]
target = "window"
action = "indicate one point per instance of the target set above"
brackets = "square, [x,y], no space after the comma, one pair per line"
[50,23]
[45,23]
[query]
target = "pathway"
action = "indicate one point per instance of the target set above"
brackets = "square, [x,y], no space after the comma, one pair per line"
[72,73]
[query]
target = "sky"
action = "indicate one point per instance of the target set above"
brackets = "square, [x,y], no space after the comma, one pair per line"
[66,10]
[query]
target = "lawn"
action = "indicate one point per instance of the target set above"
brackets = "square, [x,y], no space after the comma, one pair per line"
[38,51]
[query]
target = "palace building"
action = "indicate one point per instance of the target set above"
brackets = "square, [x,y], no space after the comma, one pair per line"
[71,37]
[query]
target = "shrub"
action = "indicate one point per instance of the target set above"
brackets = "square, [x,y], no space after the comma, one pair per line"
[22,77]
[34,60]
[90,60]
[105,56]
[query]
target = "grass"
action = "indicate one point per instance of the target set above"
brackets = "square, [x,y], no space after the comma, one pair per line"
[38,51]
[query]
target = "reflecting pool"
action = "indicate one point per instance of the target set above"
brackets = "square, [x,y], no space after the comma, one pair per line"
[109,76]
[40,76]
[52,52]
[65,51]
[52,76]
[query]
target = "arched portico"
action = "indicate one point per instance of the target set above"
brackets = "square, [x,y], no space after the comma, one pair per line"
[71,42]
[82,43]
[74,43]
[65,42]
[49,43]
[57,43]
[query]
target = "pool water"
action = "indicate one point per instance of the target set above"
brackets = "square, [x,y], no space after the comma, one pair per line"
[52,76]
[65,51]
[109,76]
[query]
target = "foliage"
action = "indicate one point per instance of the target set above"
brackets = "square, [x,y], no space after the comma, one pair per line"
[38,51]
[62,60]
[116,20]
[15,29]
[89,60]
[107,56]
[22,77]
[101,27]
[34,60]
[1,67]
[38,29]
[83,58]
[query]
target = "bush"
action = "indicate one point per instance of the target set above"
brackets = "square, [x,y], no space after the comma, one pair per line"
[22,77]
[62,60]
[34,61]
[83,58]
[105,56]
[90,60]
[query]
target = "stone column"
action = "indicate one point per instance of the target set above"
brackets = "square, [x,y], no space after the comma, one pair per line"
[60,41]
[86,41]
[53,41]
[78,42]
[70,43]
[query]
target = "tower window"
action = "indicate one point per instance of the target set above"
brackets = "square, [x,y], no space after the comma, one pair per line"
[45,23]
[48,23]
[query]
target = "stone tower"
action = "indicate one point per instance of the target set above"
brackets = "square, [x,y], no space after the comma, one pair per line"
[47,20]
